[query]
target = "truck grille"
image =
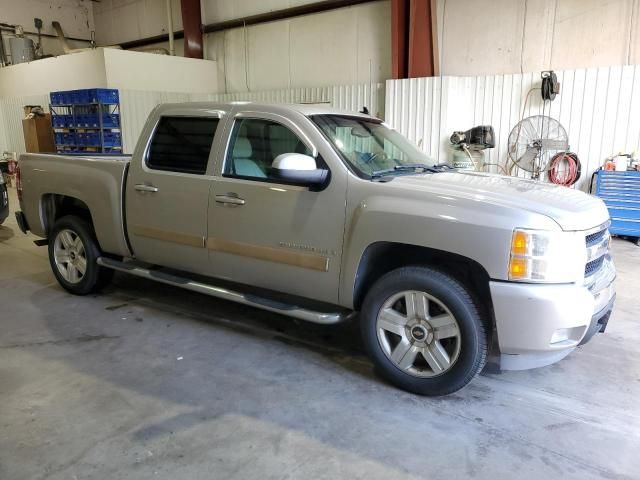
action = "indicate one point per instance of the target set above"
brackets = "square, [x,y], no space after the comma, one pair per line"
[593,238]
[597,244]
[593,266]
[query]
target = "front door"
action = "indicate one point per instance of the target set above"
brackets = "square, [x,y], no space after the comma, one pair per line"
[167,193]
[271,235]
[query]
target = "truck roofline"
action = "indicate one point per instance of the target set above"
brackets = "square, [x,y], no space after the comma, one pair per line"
[306,109]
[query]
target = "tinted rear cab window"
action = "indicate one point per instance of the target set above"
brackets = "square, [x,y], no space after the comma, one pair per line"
[182,144]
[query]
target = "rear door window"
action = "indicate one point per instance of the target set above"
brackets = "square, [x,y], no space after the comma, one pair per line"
[182,144]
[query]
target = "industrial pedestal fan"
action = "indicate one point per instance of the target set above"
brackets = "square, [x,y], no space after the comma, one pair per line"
[534,141]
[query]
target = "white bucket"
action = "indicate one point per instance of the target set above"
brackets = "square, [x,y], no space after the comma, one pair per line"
[621,163]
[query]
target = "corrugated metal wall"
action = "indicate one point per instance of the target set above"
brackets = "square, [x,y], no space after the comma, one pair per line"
[347,97]
[11,115]
[599,108]
[136,105]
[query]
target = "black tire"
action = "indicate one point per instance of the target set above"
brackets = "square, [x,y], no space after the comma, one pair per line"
[472,347]
[95,277]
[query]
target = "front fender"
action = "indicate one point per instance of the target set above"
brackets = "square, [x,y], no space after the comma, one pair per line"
[465,227]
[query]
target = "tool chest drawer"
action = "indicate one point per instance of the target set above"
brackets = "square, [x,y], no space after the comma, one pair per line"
[620,191]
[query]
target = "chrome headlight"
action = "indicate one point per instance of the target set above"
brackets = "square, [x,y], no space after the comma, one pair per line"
[545,256]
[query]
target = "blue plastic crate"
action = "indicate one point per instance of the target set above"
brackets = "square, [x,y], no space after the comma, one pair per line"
[67,97]
[110,120]
[83,96]
[93,139]
[105,95]
[62,121]
[112,139]
[56,98]
[69,138]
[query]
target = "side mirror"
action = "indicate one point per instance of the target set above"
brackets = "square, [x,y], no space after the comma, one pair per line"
[298,168]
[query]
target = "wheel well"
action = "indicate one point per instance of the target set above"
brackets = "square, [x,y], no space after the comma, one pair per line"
[382,257]
[55,206]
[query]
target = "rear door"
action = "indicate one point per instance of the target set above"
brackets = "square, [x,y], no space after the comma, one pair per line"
[168,188]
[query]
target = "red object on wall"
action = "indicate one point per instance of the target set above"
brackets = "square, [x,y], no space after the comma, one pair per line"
[192,25]
[412,38]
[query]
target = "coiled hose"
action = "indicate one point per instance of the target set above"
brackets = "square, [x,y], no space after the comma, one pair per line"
[571,174]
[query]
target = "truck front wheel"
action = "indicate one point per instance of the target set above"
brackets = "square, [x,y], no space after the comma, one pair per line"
[73,251]
[423,331]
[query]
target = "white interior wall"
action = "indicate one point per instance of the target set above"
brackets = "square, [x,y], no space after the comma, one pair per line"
[75,16]
[486,37]
[66,72]
[343,46]
[120,21]
[144,80]
[147,71]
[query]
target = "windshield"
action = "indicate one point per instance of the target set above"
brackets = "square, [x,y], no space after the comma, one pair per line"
[369,146]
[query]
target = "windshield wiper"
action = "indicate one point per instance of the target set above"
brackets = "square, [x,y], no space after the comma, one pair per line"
[420,167]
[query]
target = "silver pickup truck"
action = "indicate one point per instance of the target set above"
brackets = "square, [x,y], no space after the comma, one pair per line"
[318,214]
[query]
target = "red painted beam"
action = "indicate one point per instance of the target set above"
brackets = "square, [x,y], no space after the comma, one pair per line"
[192,25]
[411,39]
[399,38]
[420,39]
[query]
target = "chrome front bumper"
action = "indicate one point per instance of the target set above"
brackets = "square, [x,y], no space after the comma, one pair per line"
[540,324]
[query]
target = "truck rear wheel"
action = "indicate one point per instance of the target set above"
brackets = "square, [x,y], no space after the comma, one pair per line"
[423,331]
[73,251]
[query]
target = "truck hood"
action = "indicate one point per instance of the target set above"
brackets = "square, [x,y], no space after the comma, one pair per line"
[569,208]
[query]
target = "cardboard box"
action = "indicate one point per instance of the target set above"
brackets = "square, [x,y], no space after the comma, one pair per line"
[38,134]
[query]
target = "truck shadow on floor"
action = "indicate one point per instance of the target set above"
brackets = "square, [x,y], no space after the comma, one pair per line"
[333,341]
[133,299]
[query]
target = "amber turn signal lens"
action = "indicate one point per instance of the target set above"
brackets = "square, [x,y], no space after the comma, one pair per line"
[517,268]
[519,243]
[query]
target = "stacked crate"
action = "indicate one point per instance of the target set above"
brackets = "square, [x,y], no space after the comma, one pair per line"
[86,121]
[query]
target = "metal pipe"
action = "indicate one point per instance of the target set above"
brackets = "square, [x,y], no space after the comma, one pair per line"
[172,50]
[63,41]
[11,28]
[226,294]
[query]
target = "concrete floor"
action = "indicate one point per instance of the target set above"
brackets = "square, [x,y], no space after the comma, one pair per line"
[145,381]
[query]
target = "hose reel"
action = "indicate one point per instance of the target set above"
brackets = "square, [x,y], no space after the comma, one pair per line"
[550,85]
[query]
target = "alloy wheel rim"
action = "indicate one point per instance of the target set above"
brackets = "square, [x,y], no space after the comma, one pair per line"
[418,333]
[70,256]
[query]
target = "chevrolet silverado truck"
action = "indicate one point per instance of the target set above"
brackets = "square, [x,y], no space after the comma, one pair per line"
[320,214]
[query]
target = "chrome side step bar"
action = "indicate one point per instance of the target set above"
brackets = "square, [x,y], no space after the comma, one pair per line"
[226,294]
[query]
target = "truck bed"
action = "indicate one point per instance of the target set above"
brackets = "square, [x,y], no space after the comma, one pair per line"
[97,181]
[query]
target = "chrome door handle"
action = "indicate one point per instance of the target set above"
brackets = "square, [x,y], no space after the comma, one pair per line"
[142,187]
[230,199]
